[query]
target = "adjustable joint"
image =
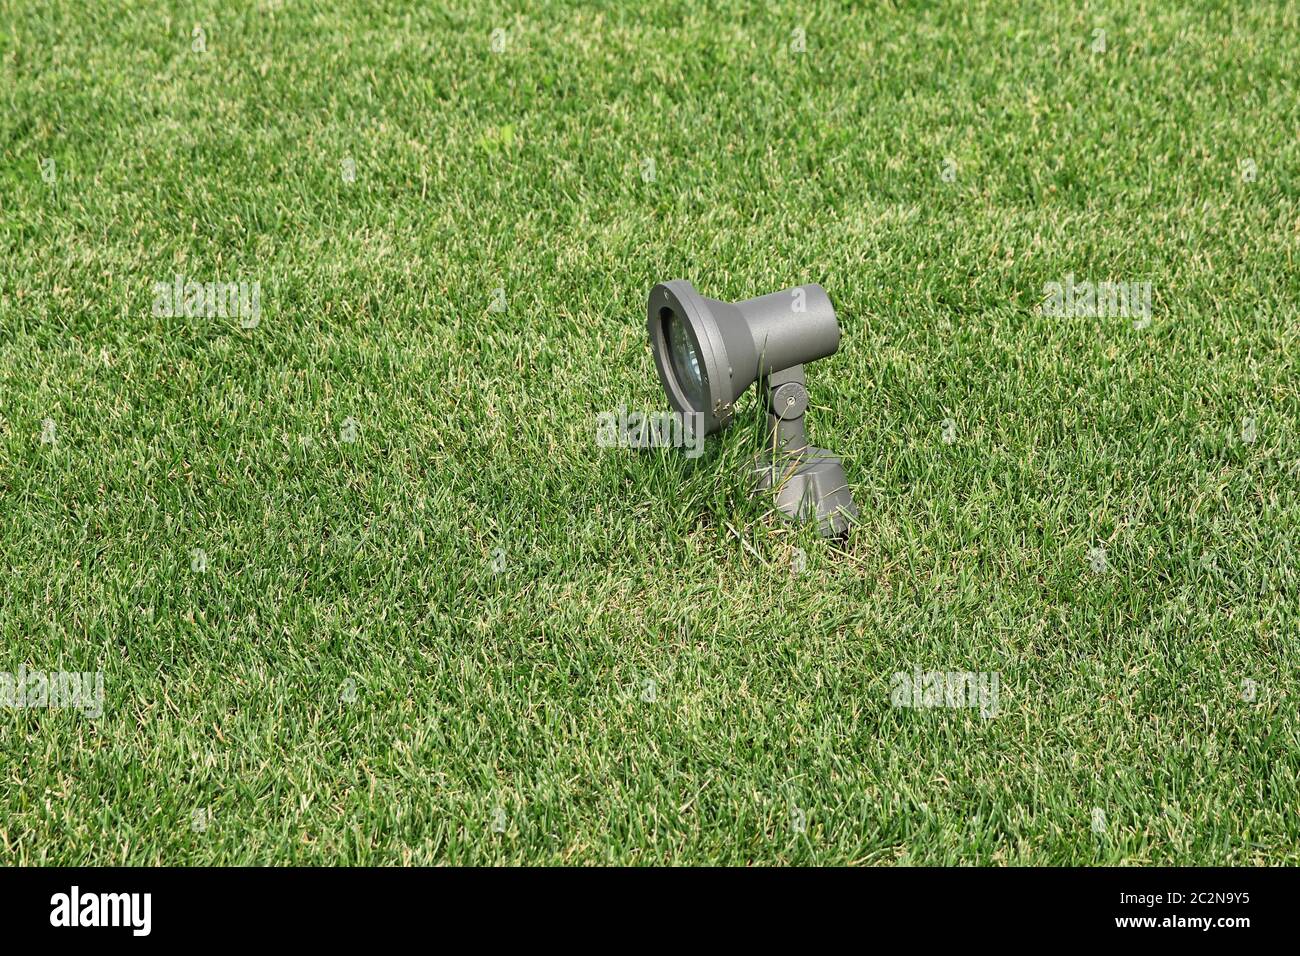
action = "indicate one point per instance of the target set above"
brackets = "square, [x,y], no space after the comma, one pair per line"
[788,402]
[786,399]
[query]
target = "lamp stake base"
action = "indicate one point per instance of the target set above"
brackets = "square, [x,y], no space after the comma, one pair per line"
[809,485]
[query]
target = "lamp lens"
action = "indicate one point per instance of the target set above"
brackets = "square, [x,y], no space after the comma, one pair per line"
[685,361]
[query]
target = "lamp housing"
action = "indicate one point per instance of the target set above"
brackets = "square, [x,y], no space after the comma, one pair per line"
[709,352]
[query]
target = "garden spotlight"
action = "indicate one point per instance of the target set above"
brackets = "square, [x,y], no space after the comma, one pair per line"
[709,352]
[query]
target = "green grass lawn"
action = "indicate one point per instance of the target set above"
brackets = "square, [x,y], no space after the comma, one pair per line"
[363,587]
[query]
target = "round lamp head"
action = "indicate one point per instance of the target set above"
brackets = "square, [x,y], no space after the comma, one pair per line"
[696,342]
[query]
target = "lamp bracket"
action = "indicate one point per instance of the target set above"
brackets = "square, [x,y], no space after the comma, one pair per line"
[806,482]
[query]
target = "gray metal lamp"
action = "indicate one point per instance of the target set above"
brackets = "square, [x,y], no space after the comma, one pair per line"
[709,352]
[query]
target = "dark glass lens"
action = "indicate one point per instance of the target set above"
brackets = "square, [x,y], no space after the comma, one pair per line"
[685,362]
